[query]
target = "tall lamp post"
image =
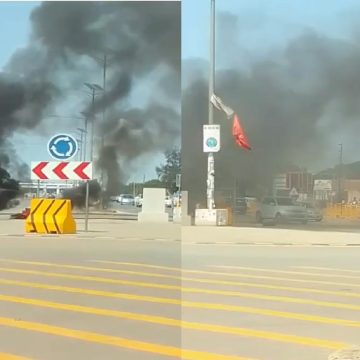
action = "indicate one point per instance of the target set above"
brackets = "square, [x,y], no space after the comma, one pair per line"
[82,136]
[95,90]
[340,173]
[211,163]
[104,61]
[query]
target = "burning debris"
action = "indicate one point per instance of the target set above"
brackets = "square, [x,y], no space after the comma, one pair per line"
[142,43]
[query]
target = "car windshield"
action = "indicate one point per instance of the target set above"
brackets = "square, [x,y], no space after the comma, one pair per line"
[284,201]
[127,196]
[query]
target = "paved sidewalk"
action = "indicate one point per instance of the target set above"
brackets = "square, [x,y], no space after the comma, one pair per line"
[266,236]
[104,228]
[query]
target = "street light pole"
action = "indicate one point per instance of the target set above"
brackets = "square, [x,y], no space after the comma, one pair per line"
[211,162]
[94,88]
[83,142]
[103,115]
[92,125]
[340,172]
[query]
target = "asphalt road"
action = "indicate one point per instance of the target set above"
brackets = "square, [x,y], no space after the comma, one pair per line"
[78,298]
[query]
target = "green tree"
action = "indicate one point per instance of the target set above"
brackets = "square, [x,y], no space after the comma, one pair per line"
[167,172]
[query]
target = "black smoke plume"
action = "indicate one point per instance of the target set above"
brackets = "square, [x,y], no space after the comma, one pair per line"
[77,195]
[295,105]
[67,44]
[9,188]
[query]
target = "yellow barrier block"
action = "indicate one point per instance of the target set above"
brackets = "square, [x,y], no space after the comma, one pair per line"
[48,216]
[342,212]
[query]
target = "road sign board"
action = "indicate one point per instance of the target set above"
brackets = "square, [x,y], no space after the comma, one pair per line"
[55,170]
[62,147]
[294,192]
[211,138]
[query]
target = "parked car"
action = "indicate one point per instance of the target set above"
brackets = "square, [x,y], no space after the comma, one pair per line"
[277,210]
[126,199]
[138,201]
[313,212]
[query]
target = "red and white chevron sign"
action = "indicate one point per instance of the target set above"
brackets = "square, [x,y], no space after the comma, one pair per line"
[54,170]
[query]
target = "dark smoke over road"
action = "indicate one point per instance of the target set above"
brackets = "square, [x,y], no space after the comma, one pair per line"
[9,188]
[142,44]
[296,105]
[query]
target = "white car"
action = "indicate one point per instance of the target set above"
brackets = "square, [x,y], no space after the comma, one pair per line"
[138,201]
[280,209]
[126,199]
[168,201]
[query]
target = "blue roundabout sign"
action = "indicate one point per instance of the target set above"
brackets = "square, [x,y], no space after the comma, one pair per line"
[62,147]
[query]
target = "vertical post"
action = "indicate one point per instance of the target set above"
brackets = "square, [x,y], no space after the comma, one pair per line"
[81,145]
[38,189]
[211,162]
[87,207]
[85,136]
[340,172]
[104,113]
[92,126]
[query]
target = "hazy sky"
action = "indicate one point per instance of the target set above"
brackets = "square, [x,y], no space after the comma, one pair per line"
[263,25]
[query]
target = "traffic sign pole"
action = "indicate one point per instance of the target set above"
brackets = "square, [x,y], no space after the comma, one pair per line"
[87,207]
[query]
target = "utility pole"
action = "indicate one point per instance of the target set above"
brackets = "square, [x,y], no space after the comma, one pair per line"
[211,162]
[103,115]
[340,173]
[95,89]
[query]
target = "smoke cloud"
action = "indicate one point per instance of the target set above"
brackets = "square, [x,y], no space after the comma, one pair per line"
[295,105]
[66,48]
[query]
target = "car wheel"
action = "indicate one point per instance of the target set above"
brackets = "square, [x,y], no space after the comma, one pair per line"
[277,219]
[258,217]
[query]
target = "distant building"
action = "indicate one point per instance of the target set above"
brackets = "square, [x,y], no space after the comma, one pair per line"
[300,183]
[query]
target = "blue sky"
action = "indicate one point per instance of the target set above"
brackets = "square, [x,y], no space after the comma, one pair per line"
[262,25]
[269,22]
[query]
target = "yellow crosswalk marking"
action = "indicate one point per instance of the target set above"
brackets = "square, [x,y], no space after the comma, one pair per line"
[190,271]
[264,312]
[179,323]
[115,341]
[327,269]
[209,281]
[175,287]
[284,272]
[173,301]
[4,356]
[97,269]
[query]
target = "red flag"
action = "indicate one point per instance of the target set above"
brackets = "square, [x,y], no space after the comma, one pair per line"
[239,134]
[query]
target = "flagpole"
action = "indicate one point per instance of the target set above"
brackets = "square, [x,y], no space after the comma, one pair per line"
[211,162]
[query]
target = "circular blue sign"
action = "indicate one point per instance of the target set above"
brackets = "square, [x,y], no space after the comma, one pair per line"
[62,147]
[211,142]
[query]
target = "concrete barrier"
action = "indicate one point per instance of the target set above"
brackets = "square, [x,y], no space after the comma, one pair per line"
[48,216]
[342,212]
